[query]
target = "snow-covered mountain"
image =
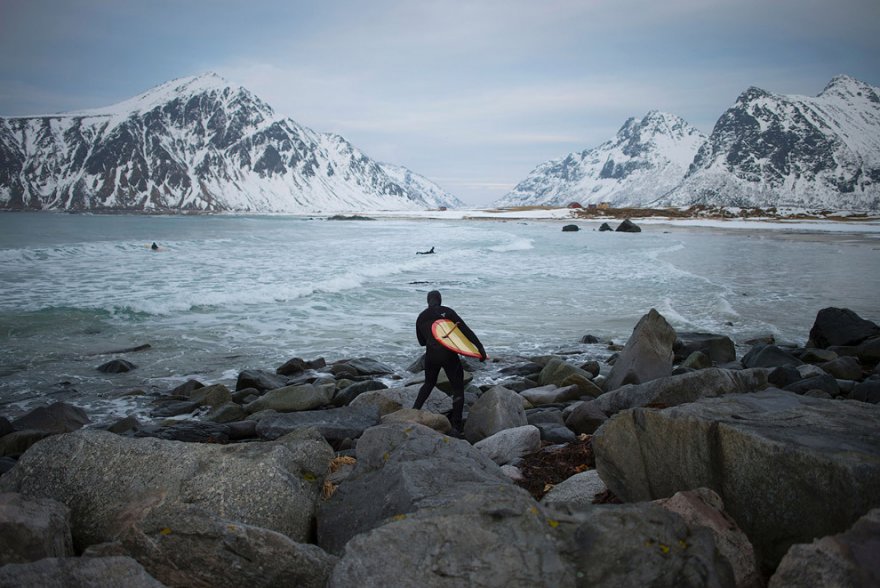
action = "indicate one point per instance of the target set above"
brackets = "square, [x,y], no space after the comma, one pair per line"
[646,159]
[797,151]
[195,143]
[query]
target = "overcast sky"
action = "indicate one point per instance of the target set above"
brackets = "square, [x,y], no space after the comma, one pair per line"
[472,94]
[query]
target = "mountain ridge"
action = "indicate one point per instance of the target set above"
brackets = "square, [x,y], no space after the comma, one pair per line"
[193,144]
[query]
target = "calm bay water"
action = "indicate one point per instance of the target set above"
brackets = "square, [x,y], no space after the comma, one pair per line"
[227,293]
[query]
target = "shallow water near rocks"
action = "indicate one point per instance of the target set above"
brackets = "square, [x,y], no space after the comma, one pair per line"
[226,293]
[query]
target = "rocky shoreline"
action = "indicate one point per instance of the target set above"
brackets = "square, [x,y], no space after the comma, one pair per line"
[674,463]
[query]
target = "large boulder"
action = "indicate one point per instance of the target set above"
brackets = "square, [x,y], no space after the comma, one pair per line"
[558,372]
[505,446]
[683,388]
[640,545]
[843,368]
[497,409]
[400,469]
[335,424]
[585,418]
[627,226]
[405,397]
[780,462]
[847,559]
[490,535]
[259,380]
[551,394]
[647,354]
[78,572]
[109,482]
[189,547]
[432,420]
[769,356]
[33,528]
[704,508]
[841,326]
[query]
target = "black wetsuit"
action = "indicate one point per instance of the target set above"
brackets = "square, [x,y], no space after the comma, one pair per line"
[437,356]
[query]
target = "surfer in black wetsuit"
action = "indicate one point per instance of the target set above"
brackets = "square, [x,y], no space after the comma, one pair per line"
[437,356]
[425,252]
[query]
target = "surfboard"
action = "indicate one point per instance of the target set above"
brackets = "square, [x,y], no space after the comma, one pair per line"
[450,336]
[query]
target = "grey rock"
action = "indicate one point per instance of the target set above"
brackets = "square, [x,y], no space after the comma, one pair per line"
[189,431]
[212,396]
[33,528]
[189,547]
[551,394]
[490,535]
[401,469]
[78,572]
[5,426]
[805,452]
[867,391]
[570,228]
[783,376]
[841,326]
[58,417]
[109,482]
[505,446]
[438,422]
[704,508]
[186,388]
[647,354]
[576,492]
[293,398]
[17,442]
[379,401]
[843,368]
[825,383]
[868,351]
[697,361]
[333,424]
[769,356]
[813,355]
[497,409]
[260,380]
[170,407]
[406,396]
[718,348]
[847,559]
[227,413]
[586,418]
[366,366]
[683,388]
[640,545]
[810,371]
[292,366]
[346,395]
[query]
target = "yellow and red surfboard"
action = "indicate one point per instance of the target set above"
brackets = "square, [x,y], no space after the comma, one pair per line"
[450,336]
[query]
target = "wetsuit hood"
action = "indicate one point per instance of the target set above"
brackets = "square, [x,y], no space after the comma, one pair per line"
[434,298]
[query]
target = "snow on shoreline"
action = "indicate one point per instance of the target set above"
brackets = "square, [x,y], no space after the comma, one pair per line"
[801,225]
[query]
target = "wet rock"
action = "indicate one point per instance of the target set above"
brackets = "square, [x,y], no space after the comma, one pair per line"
[867,391]
[188,431]
[718,348]
[812,355]
[365,366]
[783,376]
[696,361]
[5,426]
[627,226]
[807,452]
[170,407]
[227,413]
[292,367]
[841,326]
[33,528]
[186,388]
[605,227]
[570,228]
[17,442]
[551,394]
[260,380]
[116,366]
[647,354]
[58,417]
[825,382]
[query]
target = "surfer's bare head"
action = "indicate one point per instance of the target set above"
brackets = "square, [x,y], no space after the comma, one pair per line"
[434,298]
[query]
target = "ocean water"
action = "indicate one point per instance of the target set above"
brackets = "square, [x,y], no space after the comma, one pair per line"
[227,293]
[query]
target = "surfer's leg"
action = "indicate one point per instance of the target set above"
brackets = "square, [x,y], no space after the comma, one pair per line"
[455,373]
[432,370]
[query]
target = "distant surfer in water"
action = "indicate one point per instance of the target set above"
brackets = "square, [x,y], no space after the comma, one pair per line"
[154,247]
[437,356]
[425,252]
